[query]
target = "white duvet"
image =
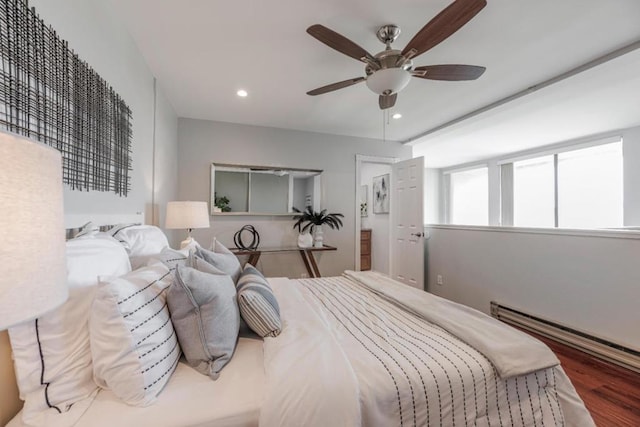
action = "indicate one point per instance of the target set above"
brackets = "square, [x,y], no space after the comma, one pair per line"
[360,351]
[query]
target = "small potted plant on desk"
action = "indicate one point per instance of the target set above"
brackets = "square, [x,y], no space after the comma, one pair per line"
[309,220]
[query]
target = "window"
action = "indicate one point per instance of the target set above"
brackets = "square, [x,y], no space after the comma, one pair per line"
[533,192]
[469,197]
[579,188]
[590,185]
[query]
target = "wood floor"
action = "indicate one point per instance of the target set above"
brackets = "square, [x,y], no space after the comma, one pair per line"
[610,393]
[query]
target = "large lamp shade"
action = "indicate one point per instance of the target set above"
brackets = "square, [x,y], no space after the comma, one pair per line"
[187,215]
[32,247]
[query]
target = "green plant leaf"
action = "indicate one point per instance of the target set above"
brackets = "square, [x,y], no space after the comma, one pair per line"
[308,218]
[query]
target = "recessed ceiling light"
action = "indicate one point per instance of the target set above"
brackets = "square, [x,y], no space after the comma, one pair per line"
[242,93]
[397,116]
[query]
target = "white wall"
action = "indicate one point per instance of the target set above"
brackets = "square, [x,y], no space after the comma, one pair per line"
[584,282]
[98,37]
[204,142]
[378,223]
[165,167]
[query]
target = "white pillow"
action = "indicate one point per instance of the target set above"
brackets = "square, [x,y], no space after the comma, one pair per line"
[140,241]
[133,343]
[53,360]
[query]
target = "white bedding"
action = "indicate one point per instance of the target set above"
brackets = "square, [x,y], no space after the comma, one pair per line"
[190,398]
[357,358]
[348,356]
[510,351]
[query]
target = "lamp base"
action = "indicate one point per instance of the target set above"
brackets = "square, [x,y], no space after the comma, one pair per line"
[189,243]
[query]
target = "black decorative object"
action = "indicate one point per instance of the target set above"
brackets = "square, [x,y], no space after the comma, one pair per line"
[49,94]
[255,238]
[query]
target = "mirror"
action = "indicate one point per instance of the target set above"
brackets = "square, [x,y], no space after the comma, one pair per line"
[262,190]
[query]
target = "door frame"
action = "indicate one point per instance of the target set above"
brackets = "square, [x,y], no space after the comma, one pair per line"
[360,159]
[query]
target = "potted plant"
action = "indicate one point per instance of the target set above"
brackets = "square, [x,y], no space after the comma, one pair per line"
[310,220]
[221,203]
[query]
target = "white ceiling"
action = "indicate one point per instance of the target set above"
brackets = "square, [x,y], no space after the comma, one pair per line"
[203,51]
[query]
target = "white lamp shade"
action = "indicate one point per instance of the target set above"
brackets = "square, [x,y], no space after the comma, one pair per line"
[187,215]
[34,276]
[388,80]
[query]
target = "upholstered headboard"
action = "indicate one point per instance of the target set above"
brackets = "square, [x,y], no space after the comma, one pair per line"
[73,221]
[10,403]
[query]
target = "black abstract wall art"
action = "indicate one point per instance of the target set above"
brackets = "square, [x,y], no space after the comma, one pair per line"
[49,94]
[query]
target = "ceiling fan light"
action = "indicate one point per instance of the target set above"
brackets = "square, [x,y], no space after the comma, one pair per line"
[388,81]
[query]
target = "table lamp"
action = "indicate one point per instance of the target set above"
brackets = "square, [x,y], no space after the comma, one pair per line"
[187,215]
[34,274]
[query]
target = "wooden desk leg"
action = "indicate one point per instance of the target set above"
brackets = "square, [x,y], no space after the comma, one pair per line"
[253,258]
[314,265]
[310,263]
[305,259]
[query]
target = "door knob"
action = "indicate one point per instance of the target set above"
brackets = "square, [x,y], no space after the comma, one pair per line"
[418,234]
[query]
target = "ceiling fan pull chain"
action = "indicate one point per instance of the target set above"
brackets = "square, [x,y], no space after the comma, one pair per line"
[384,128]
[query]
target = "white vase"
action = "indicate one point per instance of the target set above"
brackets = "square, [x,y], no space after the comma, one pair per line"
[305,240]
[318,236]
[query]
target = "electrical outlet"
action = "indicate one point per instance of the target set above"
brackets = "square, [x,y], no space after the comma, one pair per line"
[304,276]
[439,280]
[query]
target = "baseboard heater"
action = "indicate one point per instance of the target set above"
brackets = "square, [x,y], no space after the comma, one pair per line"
[595,346]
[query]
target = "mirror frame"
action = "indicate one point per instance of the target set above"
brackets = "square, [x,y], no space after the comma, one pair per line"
[250,168]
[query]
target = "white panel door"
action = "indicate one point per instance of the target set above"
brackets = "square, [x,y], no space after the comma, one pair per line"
[407,222]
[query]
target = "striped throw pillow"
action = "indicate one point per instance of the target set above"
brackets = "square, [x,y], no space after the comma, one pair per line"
[258,306]
[133,344]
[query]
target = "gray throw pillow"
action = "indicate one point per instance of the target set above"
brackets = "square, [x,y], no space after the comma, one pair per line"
[205,316]
[222,259]
[258,306]
[201,264]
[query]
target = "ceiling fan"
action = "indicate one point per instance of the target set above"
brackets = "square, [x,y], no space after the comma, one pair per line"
[389,71]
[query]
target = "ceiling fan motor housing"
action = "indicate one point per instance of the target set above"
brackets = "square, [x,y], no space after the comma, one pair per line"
[392,76]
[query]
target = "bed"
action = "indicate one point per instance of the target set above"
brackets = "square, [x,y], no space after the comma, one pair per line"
[362,349]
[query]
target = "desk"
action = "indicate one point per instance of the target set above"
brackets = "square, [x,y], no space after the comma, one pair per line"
[306,254]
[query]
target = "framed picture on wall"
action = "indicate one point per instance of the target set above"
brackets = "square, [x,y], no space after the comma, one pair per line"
[381,194]
[364,198]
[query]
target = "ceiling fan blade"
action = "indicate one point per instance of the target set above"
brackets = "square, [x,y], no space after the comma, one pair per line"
[387,101]
[335,86]
[443,25]
[339,43]
[449,72]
